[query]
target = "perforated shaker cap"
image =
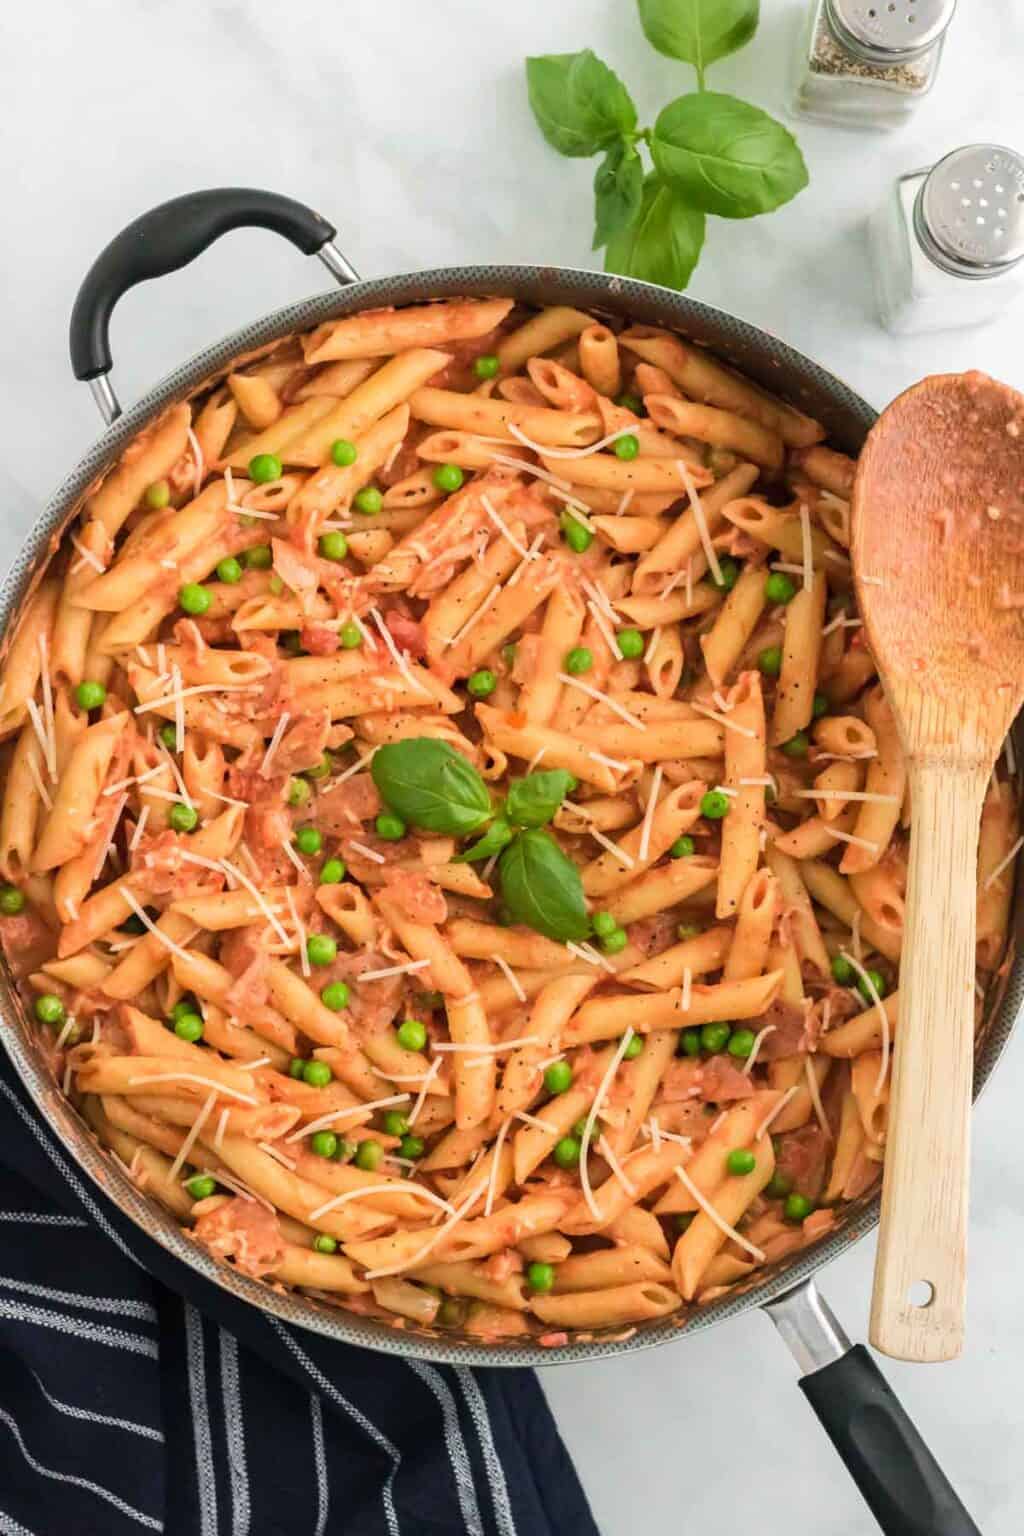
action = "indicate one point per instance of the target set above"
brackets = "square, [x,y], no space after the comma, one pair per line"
[889,31]
[969,213]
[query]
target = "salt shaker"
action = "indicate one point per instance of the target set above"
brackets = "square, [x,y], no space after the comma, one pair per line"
[869,63]
[947,246]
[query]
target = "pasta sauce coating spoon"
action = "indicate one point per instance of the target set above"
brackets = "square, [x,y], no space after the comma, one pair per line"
[938,549]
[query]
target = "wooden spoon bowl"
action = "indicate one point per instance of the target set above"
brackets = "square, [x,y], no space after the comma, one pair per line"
[938,552]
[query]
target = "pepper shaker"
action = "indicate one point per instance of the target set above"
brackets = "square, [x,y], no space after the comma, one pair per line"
[947,246]
[869,63]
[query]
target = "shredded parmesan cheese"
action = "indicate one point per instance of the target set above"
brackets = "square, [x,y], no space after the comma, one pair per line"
[850,837]
[510,977]
[701,521]
[762,1034]
[538,1124]
[685,990]
[421,1097]
[872,991]
[338,1114]
[193,1077]
[808,552]
[602,698]
[815,1096]
[720,719]
[395,970]
[569,453]
[652,800]
[275,742]
[588,1129]
[1008,859]
[616,1167]
[193,1135]
[624,858]
[243,879]
[719,1221]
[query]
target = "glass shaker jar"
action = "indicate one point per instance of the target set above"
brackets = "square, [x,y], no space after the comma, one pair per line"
[869,63]
[947,246]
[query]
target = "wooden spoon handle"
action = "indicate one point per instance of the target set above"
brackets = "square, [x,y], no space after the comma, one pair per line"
[923,1235]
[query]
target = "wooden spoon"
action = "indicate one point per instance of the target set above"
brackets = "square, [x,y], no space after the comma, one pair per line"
[938,555]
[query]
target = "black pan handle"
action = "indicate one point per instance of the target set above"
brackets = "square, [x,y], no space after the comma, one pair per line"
[904,1487]
[167,238]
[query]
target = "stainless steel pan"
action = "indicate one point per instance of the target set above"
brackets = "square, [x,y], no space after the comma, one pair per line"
[896,1473]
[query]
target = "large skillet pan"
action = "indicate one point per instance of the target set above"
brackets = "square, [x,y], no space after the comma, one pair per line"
[892,1466]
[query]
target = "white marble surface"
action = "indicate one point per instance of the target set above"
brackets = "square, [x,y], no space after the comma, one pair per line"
[406,122]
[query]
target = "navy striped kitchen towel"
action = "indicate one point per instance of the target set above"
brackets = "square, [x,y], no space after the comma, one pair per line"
[135,1396]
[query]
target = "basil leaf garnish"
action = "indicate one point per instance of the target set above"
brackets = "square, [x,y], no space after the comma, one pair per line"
[580,104]
[498,836]
[431,786]
[541,887]
[724,156]
[534,800]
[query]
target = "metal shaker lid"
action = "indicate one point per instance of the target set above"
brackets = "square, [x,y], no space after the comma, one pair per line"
[889,31]
[969,213]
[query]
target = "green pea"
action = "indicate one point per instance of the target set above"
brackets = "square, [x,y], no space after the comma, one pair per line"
[183,818]
[578,537]
[90,695]
[157,495]
[189,1027]
[320,770]
[740,1161]
[603,924]
[797,745]
[333,545]
[169,736]
[12,901]
[324,1243]
[741,1043]
[730,574]
[579,660]
[877,981]
[201,1187]
[682,848]
[321,949]
[351,636]
[369,500]
[390,827]
[317,1074]
[447,477]
[558,1077]
[452,1311]
[259,558]
[687,931]
[482,684]
[228,570]
[778,588]
[346,1150]
[396,1123]
[508,655]
[714,804]
[614,943]
[820,706]
[193,598]
[567,1152]
[323,1143]
[634,1048]
[296,1067]
[486,366]
[412,1146]
[778,1186]
[183,1006]
[298,792]
[335,996]
[714,1037]
[630,643]
[276,585]
[540,1277]
[309,840]
[264,468]
[343,453]
[332,872]
[627,447]
[430,999]
[769,660]
[630,402]
[412,1035]
[580,1126]
[843,971]
[797,1208]
[368,1155]
[689,1043]
[50,1009]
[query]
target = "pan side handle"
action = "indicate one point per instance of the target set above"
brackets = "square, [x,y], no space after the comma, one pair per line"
[167,238]
[899,1478]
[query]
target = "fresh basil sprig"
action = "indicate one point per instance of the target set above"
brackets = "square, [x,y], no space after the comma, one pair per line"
[433,787]
[533,801]
[712,153]
[542,888]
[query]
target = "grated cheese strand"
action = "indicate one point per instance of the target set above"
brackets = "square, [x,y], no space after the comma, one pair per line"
[395,970]
[719,1221]
[701,521]
[588,1129]
[876,1001]
[243,879]
[192,1137]
[602,698]
[652,801]
[275,742]
[421,1097]
[510,977]
[300,932]
[1008,859]
[762,1129]
[338,1114]
[730,725]
[193,1077]
[616,1167]
[503,529]
[568,453]
[815,1097]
